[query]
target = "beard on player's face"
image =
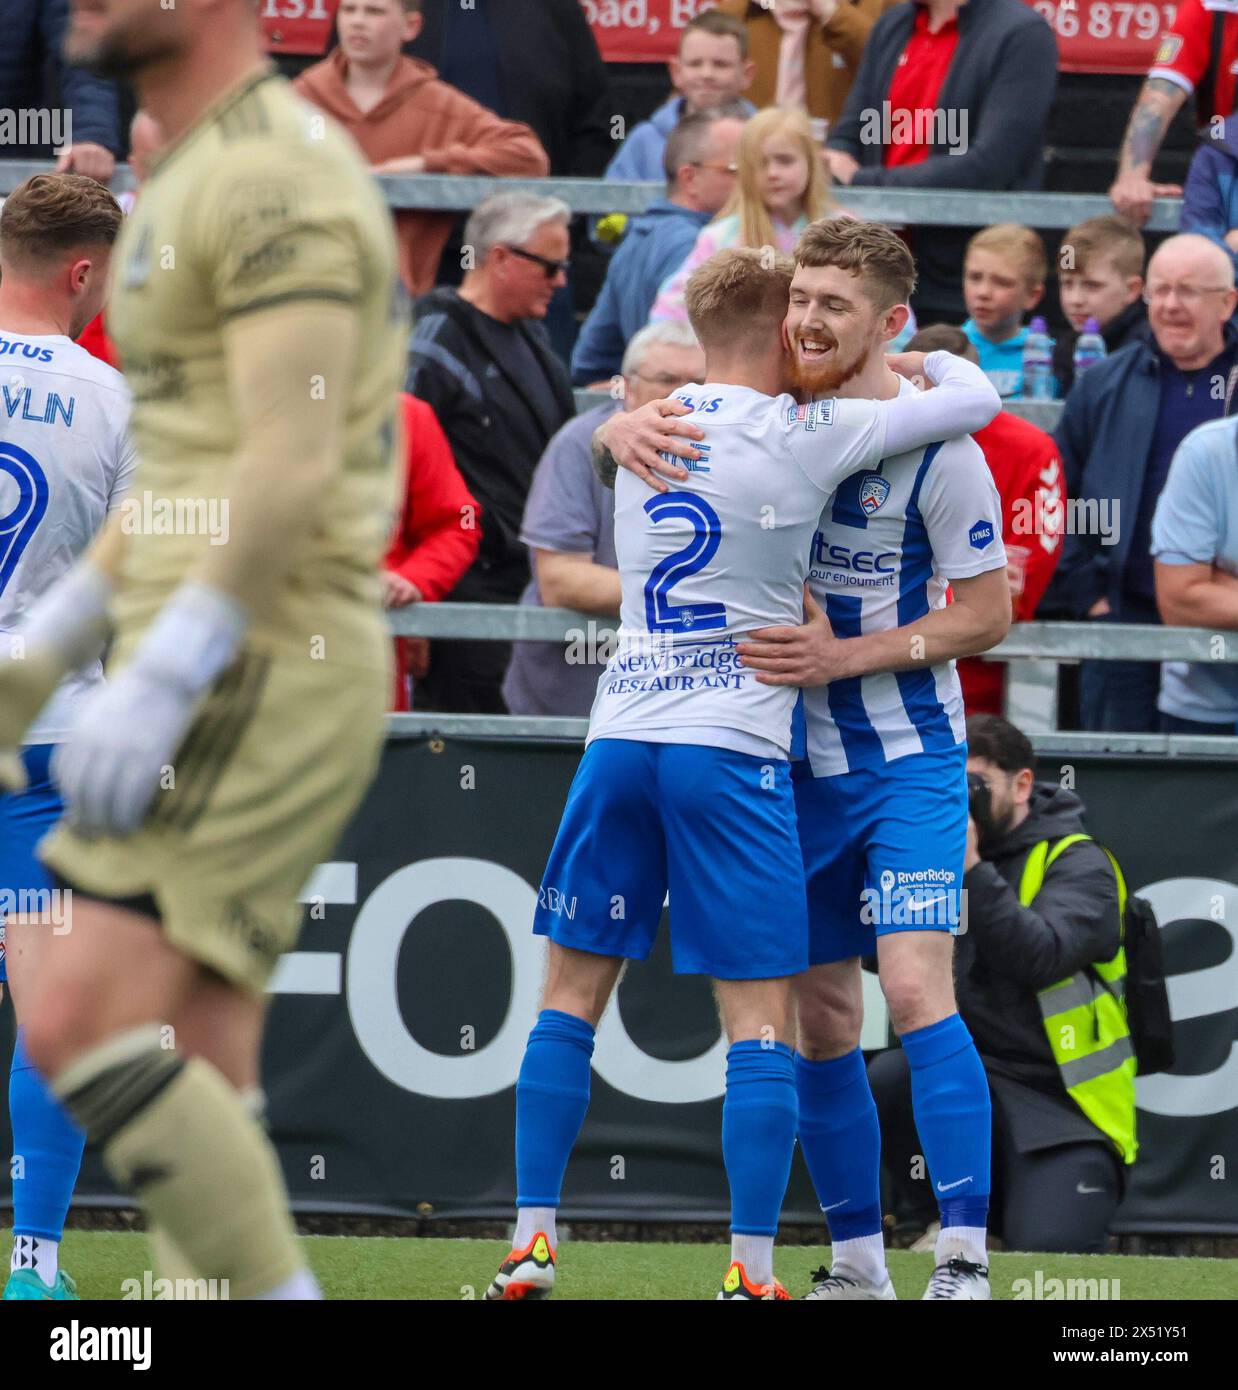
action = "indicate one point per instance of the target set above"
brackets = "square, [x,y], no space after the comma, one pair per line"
[841,362]
[118,39]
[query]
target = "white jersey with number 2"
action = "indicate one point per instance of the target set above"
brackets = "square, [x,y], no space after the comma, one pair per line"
[65,462]
[728,550]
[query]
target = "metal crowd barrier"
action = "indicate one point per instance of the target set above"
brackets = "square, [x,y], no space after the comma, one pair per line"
[1032,650]
[941,207]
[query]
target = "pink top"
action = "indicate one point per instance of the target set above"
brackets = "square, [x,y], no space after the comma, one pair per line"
[717,236]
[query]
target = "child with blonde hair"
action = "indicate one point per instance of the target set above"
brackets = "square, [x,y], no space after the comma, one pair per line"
[781,188]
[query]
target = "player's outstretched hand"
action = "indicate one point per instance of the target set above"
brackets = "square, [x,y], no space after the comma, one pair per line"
[806,655]
[639,440]
[121,748]
[27,679]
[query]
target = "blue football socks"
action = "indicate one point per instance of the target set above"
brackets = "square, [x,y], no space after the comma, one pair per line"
[950,1099]
[49,1146]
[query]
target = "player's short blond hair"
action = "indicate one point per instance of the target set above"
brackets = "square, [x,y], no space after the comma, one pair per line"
[739,293]
[1104,236]
[1021,246]
[868,249]
[51,214]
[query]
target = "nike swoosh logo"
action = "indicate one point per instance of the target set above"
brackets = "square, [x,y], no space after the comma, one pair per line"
[946,1186]
[917,904]
[832,1205]
[1083,1191]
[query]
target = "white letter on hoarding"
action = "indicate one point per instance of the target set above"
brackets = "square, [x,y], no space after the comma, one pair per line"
[373,953]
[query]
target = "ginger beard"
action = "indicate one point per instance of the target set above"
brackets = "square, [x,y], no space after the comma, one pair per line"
[817,365]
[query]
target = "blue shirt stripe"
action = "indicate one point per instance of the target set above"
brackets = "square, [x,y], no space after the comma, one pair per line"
[859,738]
[918,689]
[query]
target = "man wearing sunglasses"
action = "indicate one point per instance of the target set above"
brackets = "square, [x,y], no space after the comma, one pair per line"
[480,357]
[1122,423]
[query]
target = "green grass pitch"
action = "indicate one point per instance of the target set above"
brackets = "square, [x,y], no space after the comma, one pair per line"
[380,1267]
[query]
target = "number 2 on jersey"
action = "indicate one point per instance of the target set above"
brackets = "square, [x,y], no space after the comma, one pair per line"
[21,522]
[661,615]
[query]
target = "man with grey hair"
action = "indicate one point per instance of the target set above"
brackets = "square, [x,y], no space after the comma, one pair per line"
[701,161]
[1122,423]
[480,357]
[569,526]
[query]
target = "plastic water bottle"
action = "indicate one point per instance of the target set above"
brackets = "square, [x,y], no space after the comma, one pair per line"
[1089,348]
[1038,362]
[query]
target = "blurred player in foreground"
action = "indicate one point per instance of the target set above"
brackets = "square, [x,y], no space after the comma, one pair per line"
[242,719]
[686,773]
[65,461]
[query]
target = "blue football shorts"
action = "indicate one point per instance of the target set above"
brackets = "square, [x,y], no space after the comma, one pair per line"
[883,850]
[25,817]
[713,828]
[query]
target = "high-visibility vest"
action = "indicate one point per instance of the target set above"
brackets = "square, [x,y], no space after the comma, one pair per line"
[1085,1020]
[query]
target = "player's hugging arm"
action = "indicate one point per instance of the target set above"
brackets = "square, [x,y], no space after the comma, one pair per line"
[965,401]
[640,440]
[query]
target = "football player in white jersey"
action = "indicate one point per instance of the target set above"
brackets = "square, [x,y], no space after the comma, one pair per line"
[65,462]
[685,783]
[881,799]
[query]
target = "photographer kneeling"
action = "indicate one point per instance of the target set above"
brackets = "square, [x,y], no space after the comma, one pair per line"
[1038,977]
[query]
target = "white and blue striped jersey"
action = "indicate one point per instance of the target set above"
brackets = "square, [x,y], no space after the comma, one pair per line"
[727,551]
[889,542]
[65,462]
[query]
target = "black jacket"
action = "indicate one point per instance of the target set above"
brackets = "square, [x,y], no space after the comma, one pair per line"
[1104,436]
[461,363]
[34,75]
[1009,952]
[1130,326]
[1002,78]
[551,76]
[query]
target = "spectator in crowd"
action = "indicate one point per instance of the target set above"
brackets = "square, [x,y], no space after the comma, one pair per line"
[534,61]
[1003,279]
[701,162]
[1100,276]
[1043,911]
[1210,199]
[436,537]
[711,70]
[479,357]
[949,94]
[569,525]
[1195,549]
[782,187]
[34,32]
[1028,476]
[805,52]
[407,121]
[1118,432]
[1198,54]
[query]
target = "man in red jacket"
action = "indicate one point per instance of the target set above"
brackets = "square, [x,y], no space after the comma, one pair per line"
[1028,473]
[408,122]
[436,535]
